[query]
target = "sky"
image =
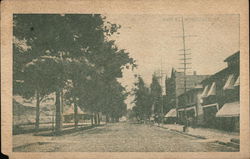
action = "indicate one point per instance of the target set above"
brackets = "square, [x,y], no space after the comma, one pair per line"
[153,40]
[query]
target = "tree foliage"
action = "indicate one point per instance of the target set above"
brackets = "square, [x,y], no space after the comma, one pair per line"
[148,101]
[142,100]
[156,94]
[52,52]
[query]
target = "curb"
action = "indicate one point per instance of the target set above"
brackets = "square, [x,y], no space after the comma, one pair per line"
[184,133]
[230,144]
[235,140]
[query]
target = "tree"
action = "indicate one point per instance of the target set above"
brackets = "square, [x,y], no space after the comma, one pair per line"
[108,62]
[78,74]
[114,105]
[38,79]
[156,93]
[56,36]
[39,36]
[142,100]
[81,38]
[42,76]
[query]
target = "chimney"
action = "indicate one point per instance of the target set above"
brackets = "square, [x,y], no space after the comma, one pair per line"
[194,73]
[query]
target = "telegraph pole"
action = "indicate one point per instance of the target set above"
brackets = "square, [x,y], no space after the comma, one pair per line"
[161,74]
[184,56]
[185,60]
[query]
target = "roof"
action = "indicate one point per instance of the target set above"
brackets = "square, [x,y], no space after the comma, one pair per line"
[233,57]
[225,71]
[229,110]
[222,73]
[20,100]
[195,89]
[19,108]
[205,91]
[215,76]
[212,90]
[191,82]
[199,86]
[71,111]
[48,101]
[171,113]
[237,82]
[230,82]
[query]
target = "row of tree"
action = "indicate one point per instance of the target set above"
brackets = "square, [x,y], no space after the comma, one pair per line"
[148,101]
[69,55]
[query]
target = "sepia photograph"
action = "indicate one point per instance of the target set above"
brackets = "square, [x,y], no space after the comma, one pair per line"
[77,78]
[126,82]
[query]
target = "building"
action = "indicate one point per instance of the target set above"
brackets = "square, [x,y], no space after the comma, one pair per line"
[175,86]
[68,115]
[171,116]
[220,96]
[189,107]
[24,111]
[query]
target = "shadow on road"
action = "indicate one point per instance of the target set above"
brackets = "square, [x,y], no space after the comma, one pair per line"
[22,130]
[66,131]
[18,148]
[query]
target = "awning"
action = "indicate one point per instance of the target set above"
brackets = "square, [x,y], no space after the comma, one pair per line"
[182,109]
[190,108]
[211,105]
[204,93]
[212,90]
[229,83]
[237,82]
[229,110]
[171,113]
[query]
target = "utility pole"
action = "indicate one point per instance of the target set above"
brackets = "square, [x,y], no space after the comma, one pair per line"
[185,60]
[161,75]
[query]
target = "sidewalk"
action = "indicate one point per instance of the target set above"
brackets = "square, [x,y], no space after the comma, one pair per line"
[46,135]
[206,133]
[24,129]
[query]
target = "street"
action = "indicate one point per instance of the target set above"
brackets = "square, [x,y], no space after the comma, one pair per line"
[118,137]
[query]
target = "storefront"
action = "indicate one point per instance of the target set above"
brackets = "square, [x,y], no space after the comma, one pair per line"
[229,116]
[191,115]
[209,112]
[221,96]
[181,116]
[170,117]
[187,115]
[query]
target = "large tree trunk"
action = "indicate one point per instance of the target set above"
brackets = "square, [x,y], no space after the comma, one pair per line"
[37,111]
[75,114]
[98,118]
[62,104]
[53,121]
[95,118]
[58,126]
[92,122]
